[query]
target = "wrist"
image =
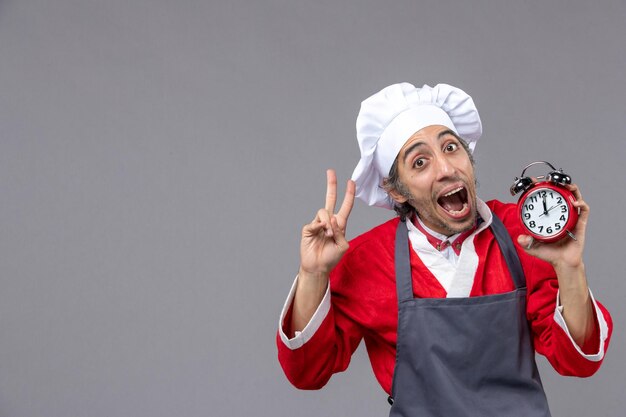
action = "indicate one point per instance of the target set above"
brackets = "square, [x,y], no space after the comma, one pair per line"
[312,275]
[572,279]
[310,291]
[312,282]
[569,267]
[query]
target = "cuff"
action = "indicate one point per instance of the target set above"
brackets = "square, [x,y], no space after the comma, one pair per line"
[307,333]
[604,329]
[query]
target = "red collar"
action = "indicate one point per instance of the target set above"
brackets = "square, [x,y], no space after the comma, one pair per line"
[442,244]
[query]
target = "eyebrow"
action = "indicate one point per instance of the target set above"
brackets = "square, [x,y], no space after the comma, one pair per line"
[416,145]
[410,149]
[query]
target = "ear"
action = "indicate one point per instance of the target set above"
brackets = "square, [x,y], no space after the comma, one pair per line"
[397,197]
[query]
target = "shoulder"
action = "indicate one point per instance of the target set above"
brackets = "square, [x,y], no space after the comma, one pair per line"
[372,247]
[382,234]
[507,212]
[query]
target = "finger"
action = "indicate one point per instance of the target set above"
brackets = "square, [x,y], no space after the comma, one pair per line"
[577,195]
[324,217]
[340,238]
[580,204]
[313,228]
[331,191]
[348,201]
[575,190]
[579,229]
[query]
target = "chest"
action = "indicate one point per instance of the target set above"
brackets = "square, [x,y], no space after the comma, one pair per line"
[368,294]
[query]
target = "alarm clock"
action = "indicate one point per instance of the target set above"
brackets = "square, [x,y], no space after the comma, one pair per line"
[546,208]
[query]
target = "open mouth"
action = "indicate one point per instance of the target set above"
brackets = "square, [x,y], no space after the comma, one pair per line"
[454,202]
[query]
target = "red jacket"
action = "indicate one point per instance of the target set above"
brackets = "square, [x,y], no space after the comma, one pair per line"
[364,306]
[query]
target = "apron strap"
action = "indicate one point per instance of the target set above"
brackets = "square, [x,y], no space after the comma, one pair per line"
[404,282]
[508,251]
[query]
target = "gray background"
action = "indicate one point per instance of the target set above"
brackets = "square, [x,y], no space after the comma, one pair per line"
[158,159]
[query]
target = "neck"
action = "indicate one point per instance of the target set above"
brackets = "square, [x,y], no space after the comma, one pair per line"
[446,233]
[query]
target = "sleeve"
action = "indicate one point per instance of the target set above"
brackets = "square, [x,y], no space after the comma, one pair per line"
[307,333]
[324,346]
[594,348]
[550,334]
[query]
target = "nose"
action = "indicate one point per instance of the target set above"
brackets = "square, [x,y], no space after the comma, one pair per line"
[445,167]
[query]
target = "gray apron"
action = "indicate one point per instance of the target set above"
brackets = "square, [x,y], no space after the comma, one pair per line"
[461,357]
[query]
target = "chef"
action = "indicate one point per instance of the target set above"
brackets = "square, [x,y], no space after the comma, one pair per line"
[450,297]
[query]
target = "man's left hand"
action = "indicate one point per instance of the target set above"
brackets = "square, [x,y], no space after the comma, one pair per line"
[566,252]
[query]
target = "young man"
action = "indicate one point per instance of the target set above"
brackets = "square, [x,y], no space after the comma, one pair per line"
[450,308]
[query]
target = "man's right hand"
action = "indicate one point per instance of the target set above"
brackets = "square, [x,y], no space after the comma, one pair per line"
[322,246]
[324,239]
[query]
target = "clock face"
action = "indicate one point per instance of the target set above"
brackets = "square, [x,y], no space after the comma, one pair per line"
[545,212]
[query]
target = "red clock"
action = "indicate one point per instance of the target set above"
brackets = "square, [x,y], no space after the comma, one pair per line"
[546,208]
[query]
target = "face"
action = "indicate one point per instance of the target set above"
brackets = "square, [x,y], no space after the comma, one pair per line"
[439,181]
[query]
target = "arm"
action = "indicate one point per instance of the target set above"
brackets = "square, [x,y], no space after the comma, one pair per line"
[325,345]
[551,336]
[566,257]
[322,246]
[578,317]
[327,342]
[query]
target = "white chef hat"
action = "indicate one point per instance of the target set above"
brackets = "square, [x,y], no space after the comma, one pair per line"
[390,117]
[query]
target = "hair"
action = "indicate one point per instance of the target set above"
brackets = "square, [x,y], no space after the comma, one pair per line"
[393,183]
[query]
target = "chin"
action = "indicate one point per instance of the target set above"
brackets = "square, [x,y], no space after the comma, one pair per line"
[451,227]
[454,228]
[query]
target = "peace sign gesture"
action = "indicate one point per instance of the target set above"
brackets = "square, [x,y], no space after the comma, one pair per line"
[323,240]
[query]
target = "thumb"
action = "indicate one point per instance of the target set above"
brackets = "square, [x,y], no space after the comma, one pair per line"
[525,241]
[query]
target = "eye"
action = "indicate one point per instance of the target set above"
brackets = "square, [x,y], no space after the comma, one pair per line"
[451,147]
[418,163]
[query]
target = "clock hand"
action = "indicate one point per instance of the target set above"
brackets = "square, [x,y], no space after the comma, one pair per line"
[545,206]
[549,210]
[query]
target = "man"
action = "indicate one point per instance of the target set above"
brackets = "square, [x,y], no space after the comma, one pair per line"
[450,308]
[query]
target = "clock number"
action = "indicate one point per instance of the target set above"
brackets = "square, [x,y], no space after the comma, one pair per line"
[562,218]
[557,226]
[540,229]
[533,199]
[543,193]
[549,229]
[559,200]
[529,207]
[532,224]
[527,216]
[563,209]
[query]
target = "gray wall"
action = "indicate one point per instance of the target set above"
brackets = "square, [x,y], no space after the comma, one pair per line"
[158,159]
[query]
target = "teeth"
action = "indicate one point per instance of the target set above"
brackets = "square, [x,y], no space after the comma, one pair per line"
[453,191]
